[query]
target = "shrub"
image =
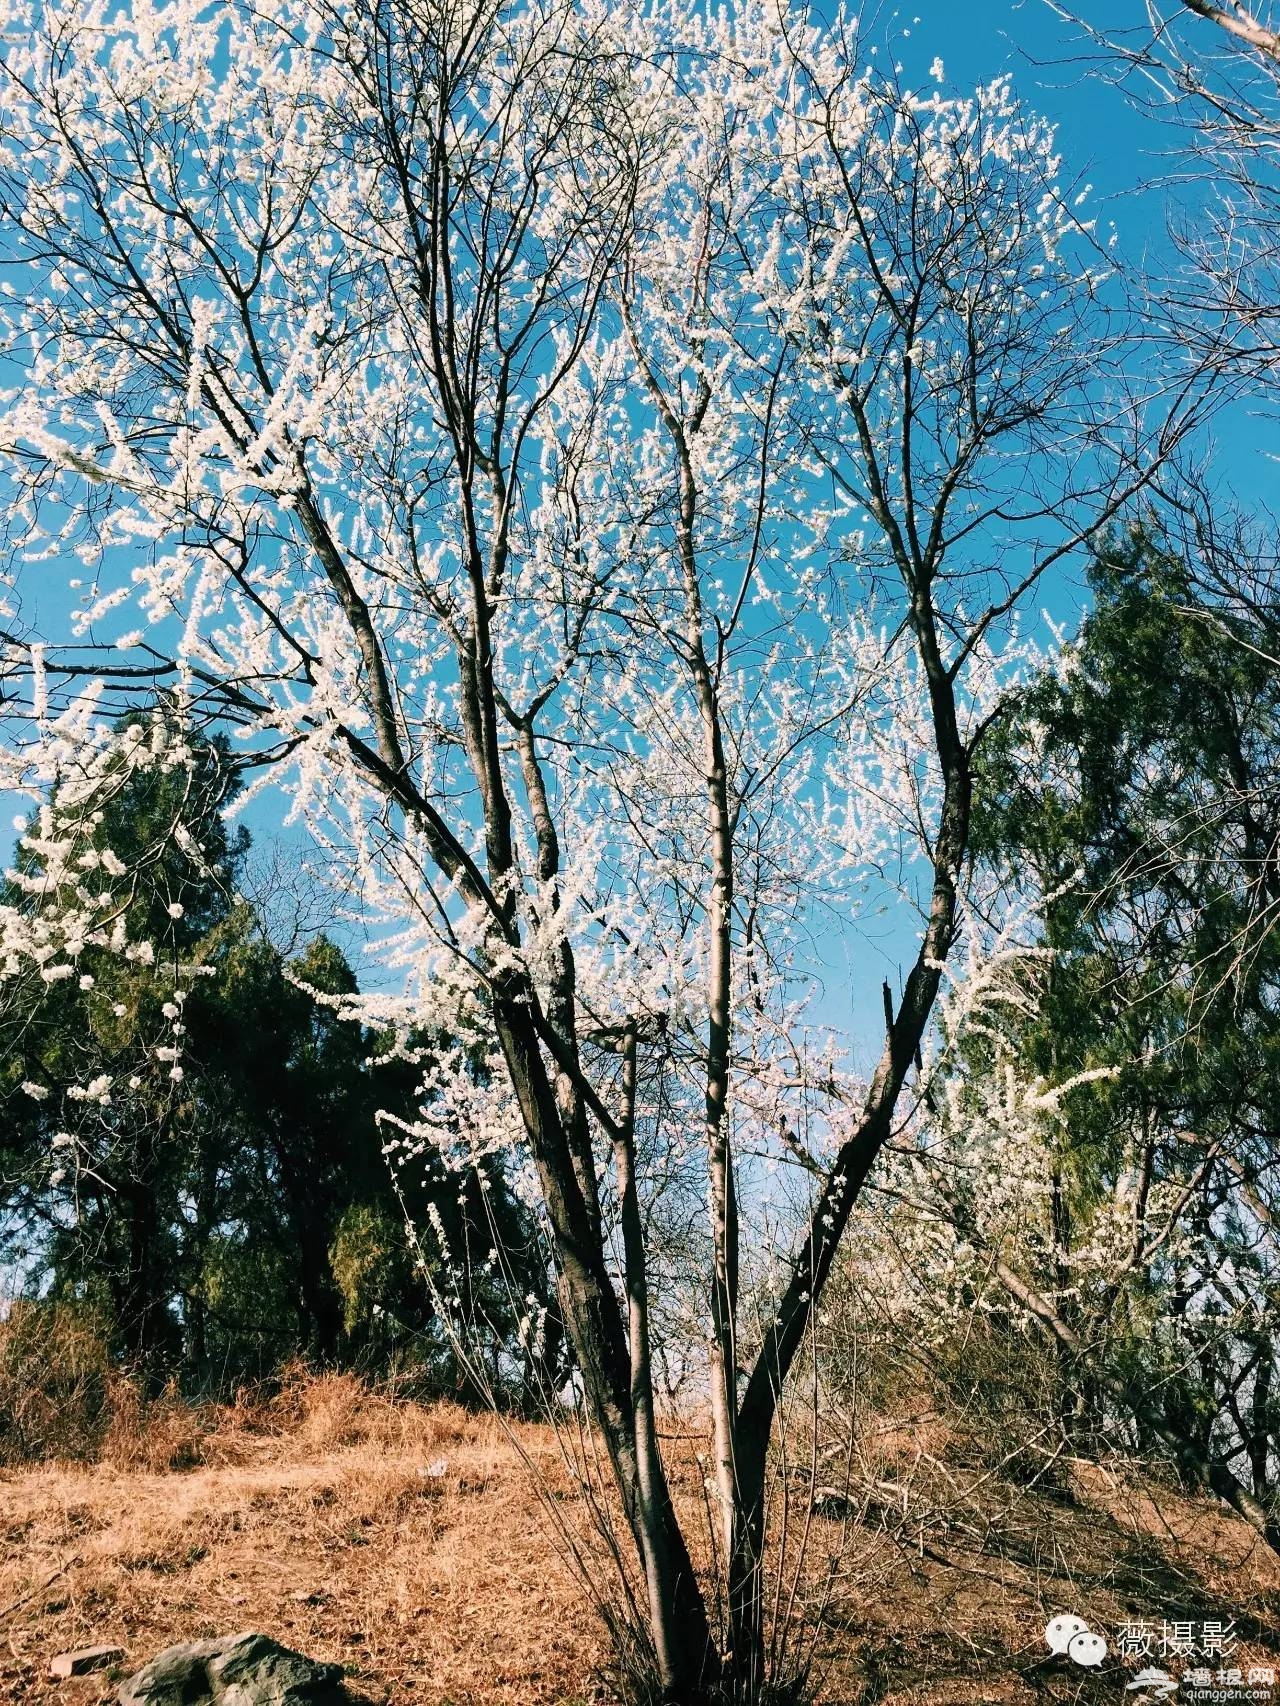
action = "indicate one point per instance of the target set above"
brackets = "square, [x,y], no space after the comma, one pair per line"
[56,1381]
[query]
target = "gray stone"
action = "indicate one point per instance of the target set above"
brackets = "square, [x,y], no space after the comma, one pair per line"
[237,1670]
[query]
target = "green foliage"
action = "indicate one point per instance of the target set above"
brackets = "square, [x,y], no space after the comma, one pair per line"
[368,1260]
[1137,792]
[190,1139]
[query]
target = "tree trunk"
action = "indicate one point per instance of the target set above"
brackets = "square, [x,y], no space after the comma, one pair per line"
[142,1300]
[685,1653]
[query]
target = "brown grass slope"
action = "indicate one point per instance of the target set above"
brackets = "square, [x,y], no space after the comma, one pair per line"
[409,1544]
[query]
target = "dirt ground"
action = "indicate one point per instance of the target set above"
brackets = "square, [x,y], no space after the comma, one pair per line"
[409,1545]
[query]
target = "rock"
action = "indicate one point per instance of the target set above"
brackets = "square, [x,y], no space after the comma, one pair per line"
[237,1670]
[83,1660]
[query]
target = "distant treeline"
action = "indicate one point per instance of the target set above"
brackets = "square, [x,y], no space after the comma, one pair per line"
[190,1149]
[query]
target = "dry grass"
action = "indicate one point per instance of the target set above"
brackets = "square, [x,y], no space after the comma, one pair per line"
[319,1522]
[407,1543]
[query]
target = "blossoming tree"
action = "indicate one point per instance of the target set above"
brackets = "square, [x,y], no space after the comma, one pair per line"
[589,458]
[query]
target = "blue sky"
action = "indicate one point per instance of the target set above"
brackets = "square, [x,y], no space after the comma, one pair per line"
[1129,157]
[1125,154]
[1102,137]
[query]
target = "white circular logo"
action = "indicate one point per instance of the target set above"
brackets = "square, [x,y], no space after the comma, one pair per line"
[1072,1635]
[1061,1631]
[1087,1648]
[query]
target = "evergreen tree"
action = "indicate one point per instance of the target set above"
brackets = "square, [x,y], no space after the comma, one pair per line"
[1138,791]
[189,1134]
